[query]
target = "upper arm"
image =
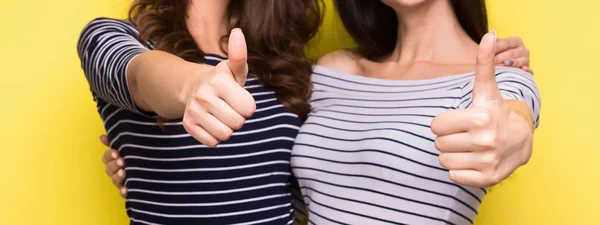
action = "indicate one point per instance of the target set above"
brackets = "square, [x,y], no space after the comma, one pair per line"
[341,60]
[105,48]
[104,34]
[514,84]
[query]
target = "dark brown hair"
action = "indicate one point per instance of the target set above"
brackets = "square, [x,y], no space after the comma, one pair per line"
[276,31]
[374,25]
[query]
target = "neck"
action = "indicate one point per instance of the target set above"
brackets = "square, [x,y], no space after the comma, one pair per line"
[430,32]
[207,23]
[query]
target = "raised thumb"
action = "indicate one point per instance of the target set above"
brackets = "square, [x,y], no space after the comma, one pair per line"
[238,56]
[485,88]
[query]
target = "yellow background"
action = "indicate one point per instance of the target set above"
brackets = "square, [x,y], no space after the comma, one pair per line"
[50,165]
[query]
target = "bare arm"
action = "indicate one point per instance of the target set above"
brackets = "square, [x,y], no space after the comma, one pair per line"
[125,73]
[159,82]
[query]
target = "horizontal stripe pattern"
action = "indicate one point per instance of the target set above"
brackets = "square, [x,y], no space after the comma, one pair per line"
[172,178]
[366,153]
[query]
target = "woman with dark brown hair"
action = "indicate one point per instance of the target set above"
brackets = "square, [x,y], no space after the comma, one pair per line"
[413,125]
[180,75]
[171,178]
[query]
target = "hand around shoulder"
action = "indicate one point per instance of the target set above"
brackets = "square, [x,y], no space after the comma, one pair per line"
[342,60]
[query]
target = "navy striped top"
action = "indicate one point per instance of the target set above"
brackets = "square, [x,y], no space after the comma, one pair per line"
[172,178]
[366,153]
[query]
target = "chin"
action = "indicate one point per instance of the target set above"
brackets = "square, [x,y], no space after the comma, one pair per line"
[405,3]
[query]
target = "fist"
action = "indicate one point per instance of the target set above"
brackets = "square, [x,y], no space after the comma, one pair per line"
[482,145]
[219,105]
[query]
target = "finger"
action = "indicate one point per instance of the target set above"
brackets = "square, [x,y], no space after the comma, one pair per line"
[521,62]
[109,155]
[485,88]
[104,140]
[460,142]
[123,192]
[118,178]
[514,58]
[239,99]
[460,161]
[457,121]
[226,114]
[214,126]
[527,69]
[506,44]
[473,178]
[199,133]
[238,56]
[466,161]
[114,166]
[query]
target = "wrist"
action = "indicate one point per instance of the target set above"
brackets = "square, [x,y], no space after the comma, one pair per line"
[521,135]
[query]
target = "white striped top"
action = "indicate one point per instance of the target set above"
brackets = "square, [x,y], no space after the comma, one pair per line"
[173,179]
[366,153]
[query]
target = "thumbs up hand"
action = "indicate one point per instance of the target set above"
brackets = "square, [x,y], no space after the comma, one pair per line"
[218,105]
[484,144]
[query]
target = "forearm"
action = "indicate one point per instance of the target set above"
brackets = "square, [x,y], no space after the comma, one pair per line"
[159,82]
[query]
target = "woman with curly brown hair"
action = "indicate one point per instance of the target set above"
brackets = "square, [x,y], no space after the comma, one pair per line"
[182,77]
[181,74]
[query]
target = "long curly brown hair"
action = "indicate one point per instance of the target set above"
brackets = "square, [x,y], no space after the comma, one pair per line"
[276,31]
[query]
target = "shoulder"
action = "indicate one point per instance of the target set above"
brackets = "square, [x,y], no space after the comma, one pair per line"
[508,74]
[103,23]
[342,60]
[509,80]
[111,21]
[102,28]
[512,72]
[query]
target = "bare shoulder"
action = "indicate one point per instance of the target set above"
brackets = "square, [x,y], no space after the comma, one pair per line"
[341,60]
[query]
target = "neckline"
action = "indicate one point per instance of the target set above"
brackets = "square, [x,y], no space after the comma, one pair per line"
[215,56]
[355,78]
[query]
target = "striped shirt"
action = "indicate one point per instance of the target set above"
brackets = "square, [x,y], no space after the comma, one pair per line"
[366,153]
[173,179]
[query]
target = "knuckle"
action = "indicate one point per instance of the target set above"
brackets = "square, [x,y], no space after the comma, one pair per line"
[437,143]
[481,118]
[488,140]
[211,143]
[202,99]
[187,124]
[435,126]
[516,54]
[238,124]
[519,40]
[251,109]
[490,161]
[247,109]
[225,134]
[443,160]
[221,81]
[454,177]
[489,180]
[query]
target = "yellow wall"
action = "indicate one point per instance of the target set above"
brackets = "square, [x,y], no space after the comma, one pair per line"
[50,167]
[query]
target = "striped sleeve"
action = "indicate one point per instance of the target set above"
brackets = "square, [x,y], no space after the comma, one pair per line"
[105,47]
[513,84]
